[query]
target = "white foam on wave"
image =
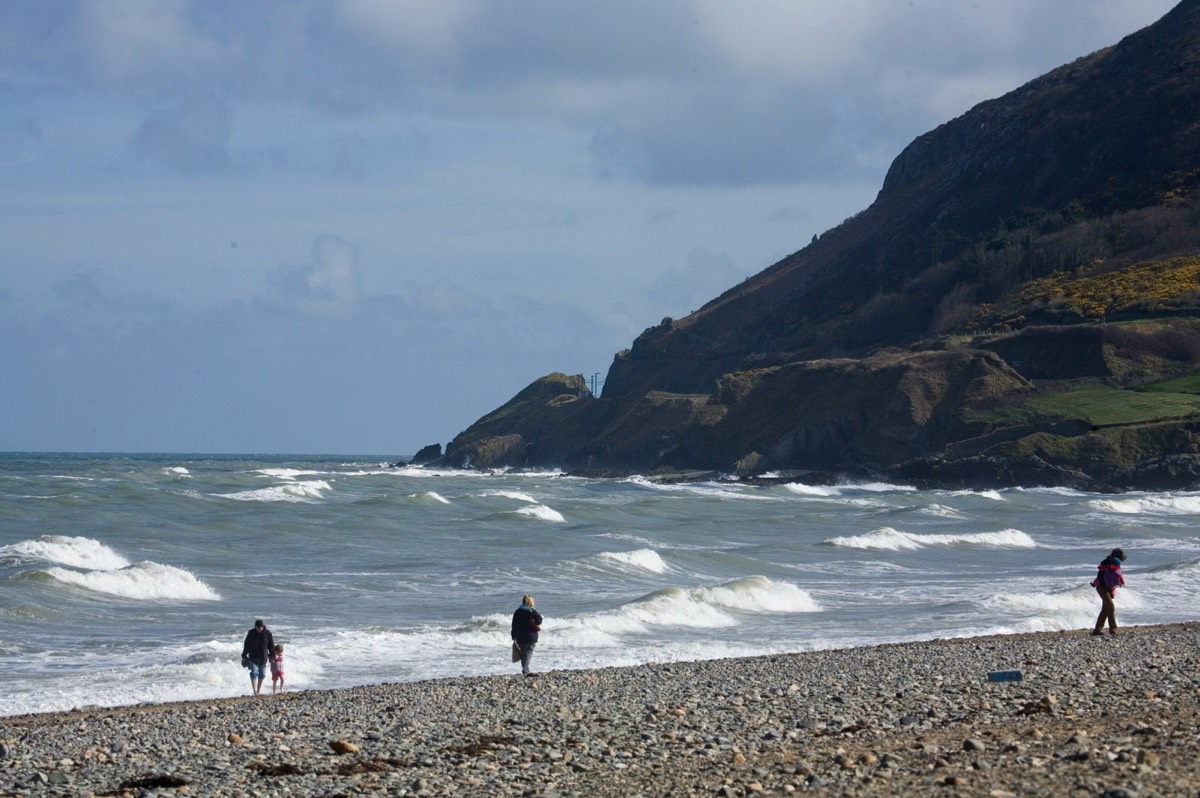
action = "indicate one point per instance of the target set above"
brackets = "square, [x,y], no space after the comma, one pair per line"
[289,473]
[1161,504]
[993,495]
[723,490]
[889,539]
[177,471]
[705,606]
[78,552]
[137,675]
[435,496]
[143,581]
[309,491]
[423,472]
[701,607]
[643,559]
[715,490]
[940,511]
[1075,608]
[513,494]
[1070,493]
[541,512]
[878,487]
[812,490]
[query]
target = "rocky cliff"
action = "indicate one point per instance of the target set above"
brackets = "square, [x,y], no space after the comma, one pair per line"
[1043,241]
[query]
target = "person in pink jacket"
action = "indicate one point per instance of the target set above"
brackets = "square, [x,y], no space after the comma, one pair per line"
[1106,583]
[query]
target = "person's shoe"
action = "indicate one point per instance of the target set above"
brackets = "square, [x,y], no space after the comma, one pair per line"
[1112,631]
[531,674]
[1097,633]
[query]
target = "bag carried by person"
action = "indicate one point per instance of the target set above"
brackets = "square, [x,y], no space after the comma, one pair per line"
[245,660]
[516,652]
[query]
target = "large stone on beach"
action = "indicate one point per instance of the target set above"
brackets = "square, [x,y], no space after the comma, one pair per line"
[343,747]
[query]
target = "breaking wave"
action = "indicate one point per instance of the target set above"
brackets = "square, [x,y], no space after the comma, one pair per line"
[77,552]
[144,581]
[889,539]
[643,559]
[310,491]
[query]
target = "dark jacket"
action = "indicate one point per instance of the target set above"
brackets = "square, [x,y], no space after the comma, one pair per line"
[259,646]
[525,625]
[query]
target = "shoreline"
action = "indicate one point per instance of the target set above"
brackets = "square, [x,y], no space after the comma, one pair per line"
[1089,715]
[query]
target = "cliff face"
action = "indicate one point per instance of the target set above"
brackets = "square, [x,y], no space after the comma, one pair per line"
[1115,131]
[909,326]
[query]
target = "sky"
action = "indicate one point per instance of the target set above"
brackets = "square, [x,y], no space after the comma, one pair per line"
[357,226]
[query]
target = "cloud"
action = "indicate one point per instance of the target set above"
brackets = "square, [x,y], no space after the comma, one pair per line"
[190,137]
[327,284]
[431,27]
[147,42]
[693,92]
[81,290]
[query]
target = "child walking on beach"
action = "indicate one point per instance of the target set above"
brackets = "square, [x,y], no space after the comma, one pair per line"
[277,670]
[1106,583]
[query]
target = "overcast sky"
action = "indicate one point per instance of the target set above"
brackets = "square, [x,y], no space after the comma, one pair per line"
[356,226]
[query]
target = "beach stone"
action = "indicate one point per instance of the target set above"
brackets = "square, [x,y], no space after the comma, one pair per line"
[614,733]
[343,747]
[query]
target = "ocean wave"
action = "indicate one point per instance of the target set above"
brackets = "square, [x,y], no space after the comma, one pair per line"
[78,552]
[1077,606]
[993,495]
[177,471]
[424,472]
[940,511]
[707,606]
[513,494]
[290,473]
[143,581]
[541,512]
[642,559]
[1070,493]
[288,492]
[887,538]
[701,607]
[812,490]
[878,487]
[715,490]
[432,495]
[1161,504]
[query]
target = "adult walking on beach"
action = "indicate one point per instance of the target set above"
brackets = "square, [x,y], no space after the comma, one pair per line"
[257,650]
[526,623]
[1106,583]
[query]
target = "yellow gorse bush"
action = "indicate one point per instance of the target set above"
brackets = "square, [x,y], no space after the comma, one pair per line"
[1150,286]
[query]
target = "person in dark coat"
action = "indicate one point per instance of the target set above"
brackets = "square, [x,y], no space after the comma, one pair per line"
[257,650]
[526,623]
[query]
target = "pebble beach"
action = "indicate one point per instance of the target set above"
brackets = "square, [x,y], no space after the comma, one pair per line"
[1097,716]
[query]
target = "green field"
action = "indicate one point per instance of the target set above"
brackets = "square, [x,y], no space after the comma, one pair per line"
[1104,406]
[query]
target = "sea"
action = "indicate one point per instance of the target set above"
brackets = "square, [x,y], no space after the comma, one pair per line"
[128,579]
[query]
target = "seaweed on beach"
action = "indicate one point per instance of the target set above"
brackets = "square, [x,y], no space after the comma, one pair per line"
[482,745]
